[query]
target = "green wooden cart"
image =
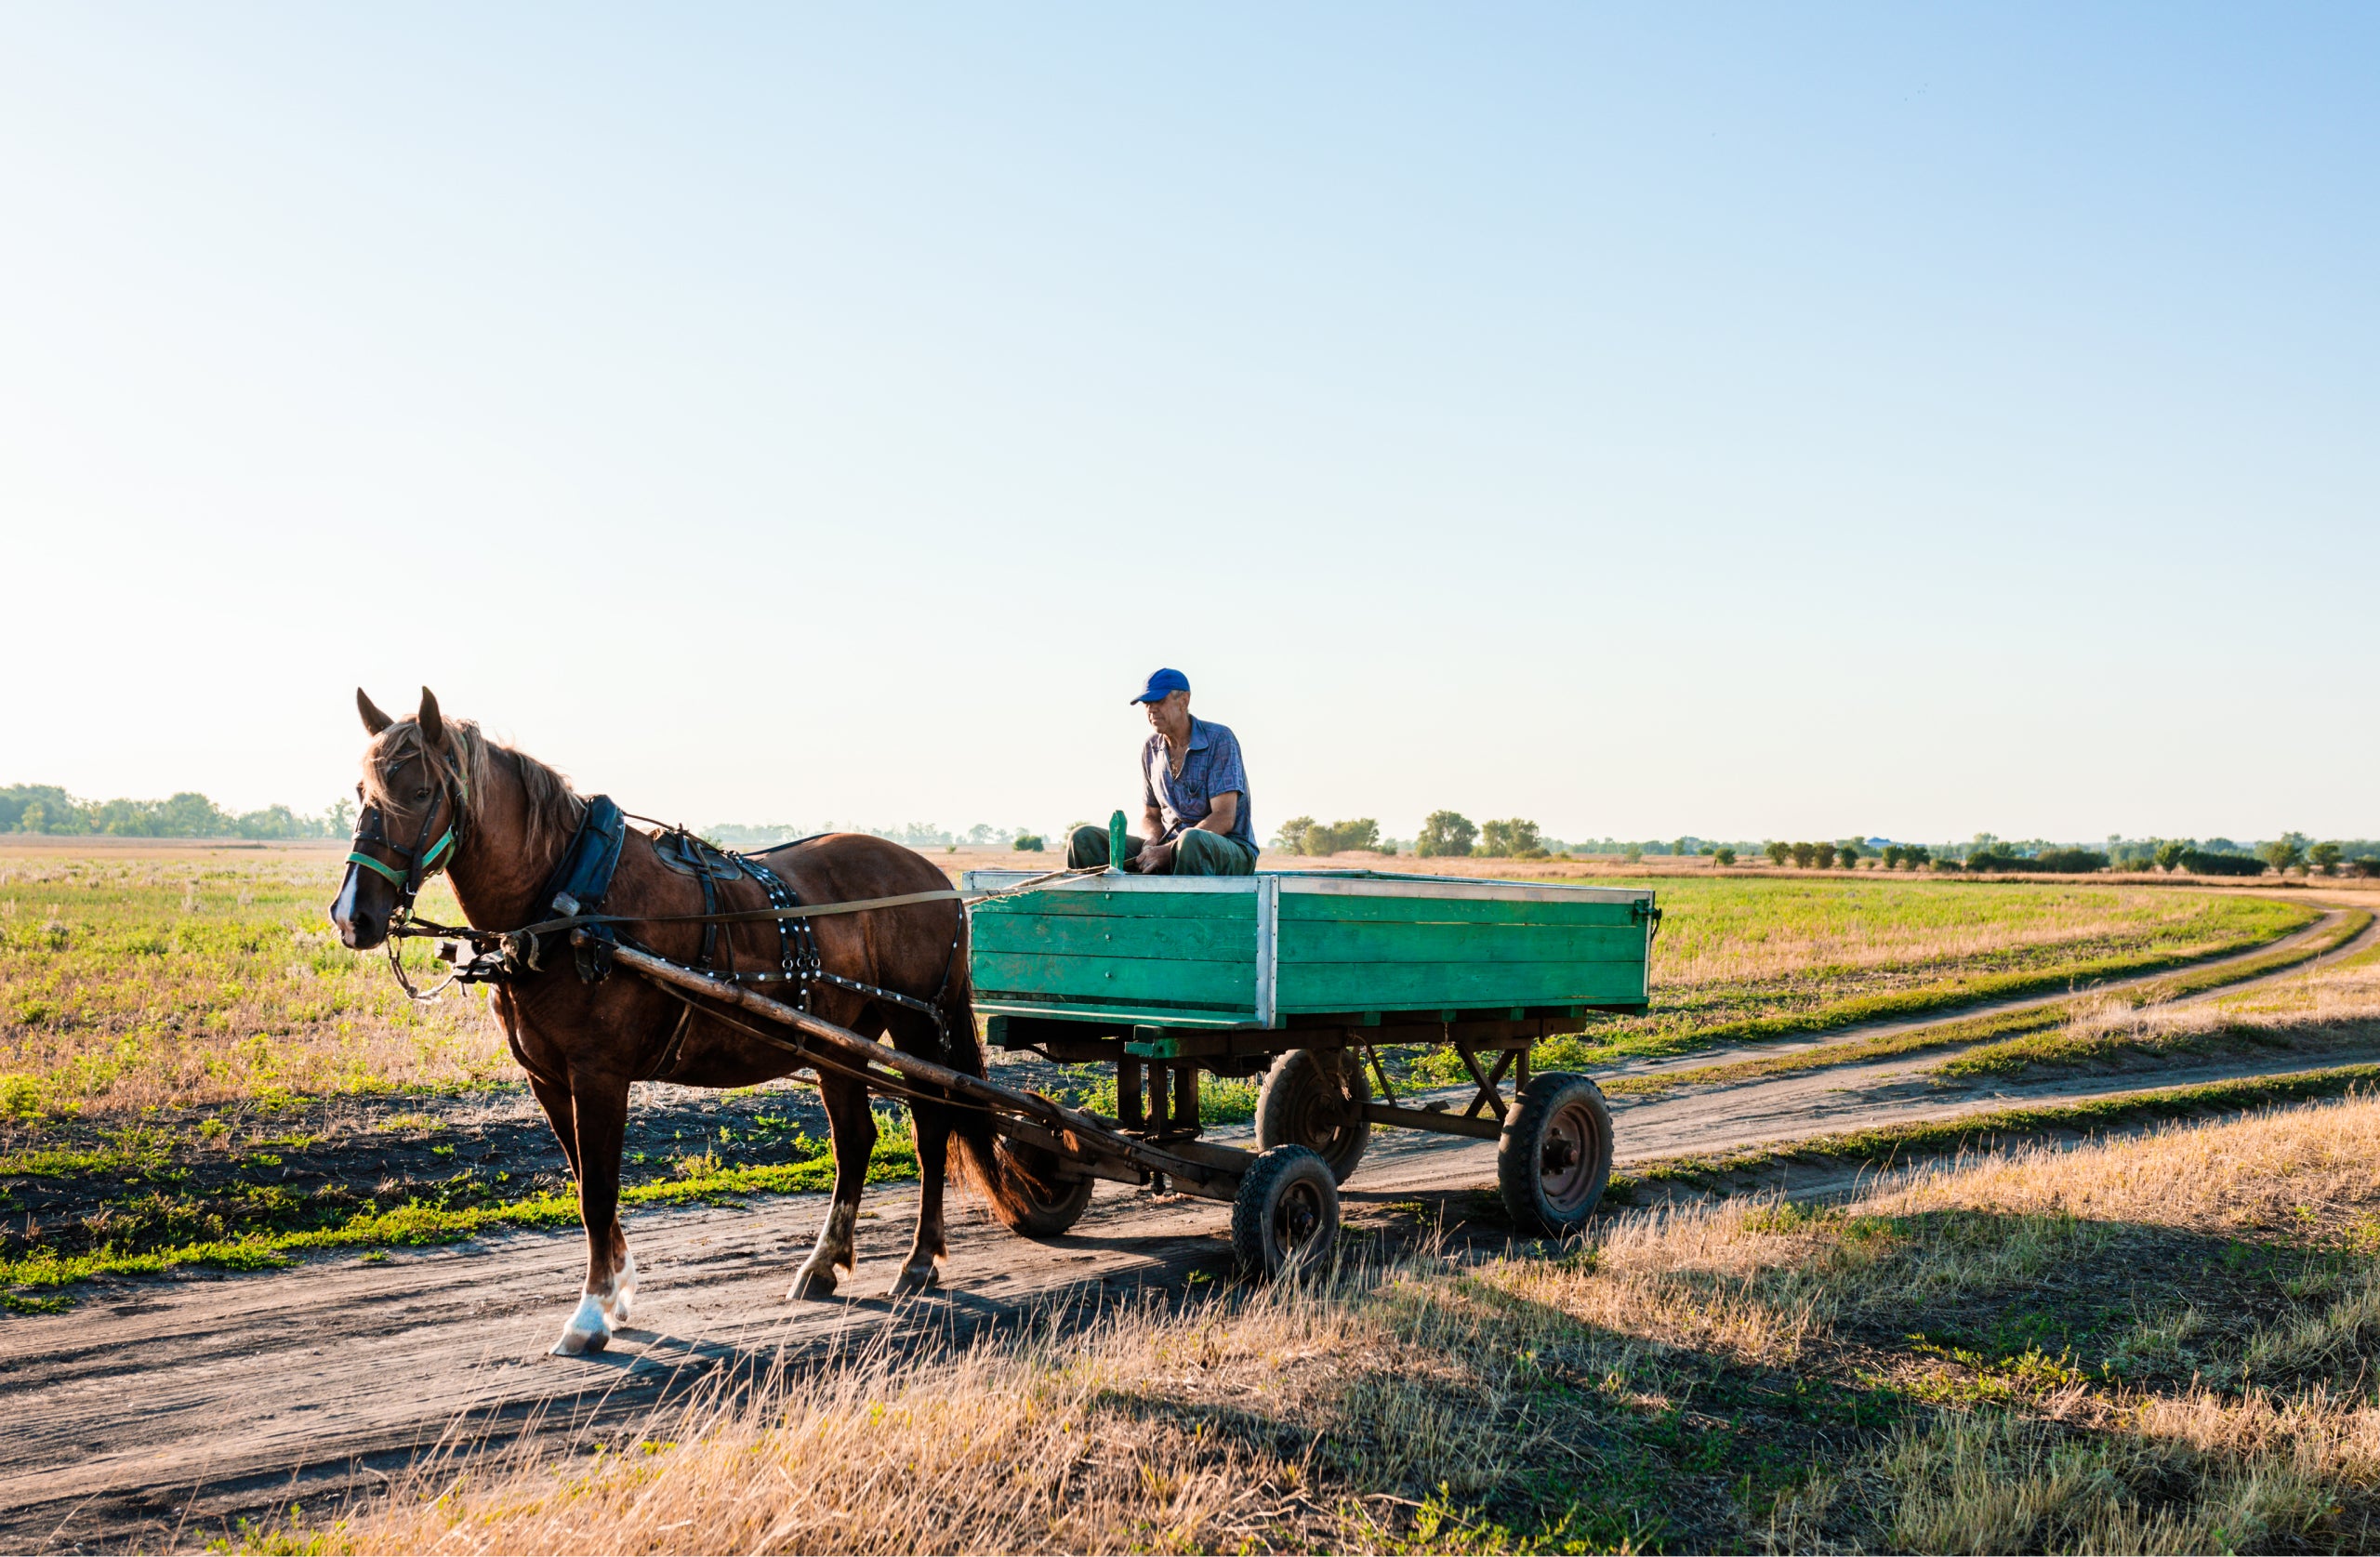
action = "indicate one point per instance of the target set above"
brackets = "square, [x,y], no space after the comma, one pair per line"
[1301,977]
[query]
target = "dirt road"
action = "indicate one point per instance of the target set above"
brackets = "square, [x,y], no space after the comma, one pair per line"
[172,1407]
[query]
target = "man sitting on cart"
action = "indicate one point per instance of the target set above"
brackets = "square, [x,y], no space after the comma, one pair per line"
[1194,796]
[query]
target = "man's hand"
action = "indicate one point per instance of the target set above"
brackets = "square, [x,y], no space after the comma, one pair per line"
[1154,860]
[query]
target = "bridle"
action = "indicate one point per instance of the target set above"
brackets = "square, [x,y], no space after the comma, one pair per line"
[421,862]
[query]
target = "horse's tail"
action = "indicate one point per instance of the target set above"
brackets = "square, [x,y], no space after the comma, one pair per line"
[991,1171]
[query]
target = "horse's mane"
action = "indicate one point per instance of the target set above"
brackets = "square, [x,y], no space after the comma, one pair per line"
[554,807]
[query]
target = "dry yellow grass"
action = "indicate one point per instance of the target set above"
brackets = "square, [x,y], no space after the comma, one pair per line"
[1739,1375]
[2328,1006]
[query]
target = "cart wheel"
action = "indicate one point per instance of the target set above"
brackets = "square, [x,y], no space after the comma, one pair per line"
[1286,1214]
[1052,1203]
[1554,1156]
[1315,1099]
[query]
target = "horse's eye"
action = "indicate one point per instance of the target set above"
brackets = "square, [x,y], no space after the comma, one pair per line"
[421,793]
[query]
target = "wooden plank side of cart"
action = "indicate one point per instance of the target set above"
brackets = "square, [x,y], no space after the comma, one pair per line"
[1281,951]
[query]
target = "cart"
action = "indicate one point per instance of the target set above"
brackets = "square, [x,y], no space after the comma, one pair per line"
[1303,977]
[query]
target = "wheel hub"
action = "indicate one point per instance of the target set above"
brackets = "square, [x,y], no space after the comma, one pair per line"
[1298,1215]
[1565,1162]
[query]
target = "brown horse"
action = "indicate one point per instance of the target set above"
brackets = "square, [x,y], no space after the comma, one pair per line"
[511,818]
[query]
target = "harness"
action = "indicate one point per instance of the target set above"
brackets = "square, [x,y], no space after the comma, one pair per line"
[574,892]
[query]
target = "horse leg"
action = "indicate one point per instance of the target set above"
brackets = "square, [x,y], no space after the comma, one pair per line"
[930,1124]
[601,1109]
[853,1127]
[554,1097]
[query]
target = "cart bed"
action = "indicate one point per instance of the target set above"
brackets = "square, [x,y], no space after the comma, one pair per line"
[1296,949]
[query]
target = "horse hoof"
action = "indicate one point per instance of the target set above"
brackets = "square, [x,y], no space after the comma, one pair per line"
[916,1278]
[812,1283]
[588,1330]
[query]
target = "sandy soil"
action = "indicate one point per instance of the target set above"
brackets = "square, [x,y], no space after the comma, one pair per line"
[160,1410]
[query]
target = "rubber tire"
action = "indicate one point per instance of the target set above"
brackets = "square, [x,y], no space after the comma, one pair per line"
[1047,1214]
[1298,1093]
[1553,1112]
[1286,1217]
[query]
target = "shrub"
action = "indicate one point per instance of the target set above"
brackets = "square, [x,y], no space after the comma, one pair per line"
[1848,854]
[1893,856]
[2200,864]
[1290,838]
[1445,833]
[1804,854]
[1916,854]
[1338,838]
[2003,858]
[2283,852]
[1725,856]
[1778,852]
[2365,865]
[1027,843]
[2324,857]
[1822,855]
[1511,836]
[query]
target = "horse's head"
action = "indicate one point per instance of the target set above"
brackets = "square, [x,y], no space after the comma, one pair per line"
[415,801]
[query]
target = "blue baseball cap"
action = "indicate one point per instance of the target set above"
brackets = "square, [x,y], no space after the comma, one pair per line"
[1162,682]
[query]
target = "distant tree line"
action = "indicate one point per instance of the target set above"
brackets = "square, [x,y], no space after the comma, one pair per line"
[46,808]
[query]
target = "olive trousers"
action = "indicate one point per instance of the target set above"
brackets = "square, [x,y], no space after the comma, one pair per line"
[1195,852]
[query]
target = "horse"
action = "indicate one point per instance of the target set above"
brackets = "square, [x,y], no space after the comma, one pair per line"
[503,821]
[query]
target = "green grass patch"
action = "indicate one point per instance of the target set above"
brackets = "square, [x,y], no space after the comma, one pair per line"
[1222,1099]
[198,977]
[435,1219]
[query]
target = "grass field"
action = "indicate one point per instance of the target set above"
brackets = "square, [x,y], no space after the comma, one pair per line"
[2154,1344]
[1749,959]
[126,982]
[2013,1026]
[129,981]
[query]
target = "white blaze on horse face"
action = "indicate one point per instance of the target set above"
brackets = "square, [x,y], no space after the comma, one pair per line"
[588,1330]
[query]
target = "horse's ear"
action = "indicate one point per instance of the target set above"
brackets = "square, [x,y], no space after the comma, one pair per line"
[433,728]
[375,722]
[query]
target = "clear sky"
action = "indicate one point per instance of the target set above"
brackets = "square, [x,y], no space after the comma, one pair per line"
[1739,421]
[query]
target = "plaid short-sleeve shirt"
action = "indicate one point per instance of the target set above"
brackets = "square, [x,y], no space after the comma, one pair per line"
[1210,768]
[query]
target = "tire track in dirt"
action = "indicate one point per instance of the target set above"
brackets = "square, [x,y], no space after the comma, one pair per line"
[171,1407]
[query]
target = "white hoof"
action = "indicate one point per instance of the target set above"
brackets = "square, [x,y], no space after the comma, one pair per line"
[588,1330]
